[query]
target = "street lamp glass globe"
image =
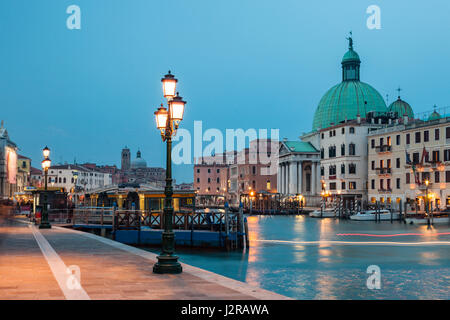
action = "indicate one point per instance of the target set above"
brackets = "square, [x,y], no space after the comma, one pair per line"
[46,152]
[46,163]
[169,85]
[161,116]
[177,108]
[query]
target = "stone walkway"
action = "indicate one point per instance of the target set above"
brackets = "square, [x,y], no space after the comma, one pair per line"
[34,263]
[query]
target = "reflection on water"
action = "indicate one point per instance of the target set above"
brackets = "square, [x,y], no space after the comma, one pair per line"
[333,271]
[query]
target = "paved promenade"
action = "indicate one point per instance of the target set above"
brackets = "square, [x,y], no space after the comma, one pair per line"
[34,265]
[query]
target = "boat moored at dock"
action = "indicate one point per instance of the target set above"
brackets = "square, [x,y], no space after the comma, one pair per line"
[373,215]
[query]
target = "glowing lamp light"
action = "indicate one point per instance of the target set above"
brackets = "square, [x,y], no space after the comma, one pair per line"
[46,163]
[252,193]
[427,182]
[46,152]
[177,109]
[161,116]
[169,85]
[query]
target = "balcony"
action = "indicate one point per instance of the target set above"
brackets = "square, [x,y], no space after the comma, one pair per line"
[383,171]
[384,190]
[383,148]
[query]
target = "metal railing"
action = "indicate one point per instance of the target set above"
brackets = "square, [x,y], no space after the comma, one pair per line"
[136,219]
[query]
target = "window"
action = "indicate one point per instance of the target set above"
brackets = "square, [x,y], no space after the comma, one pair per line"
[436,134]
[332,152]
[351,149]
[342,168]
[352,185]
[322,153]
[253,170]
[447,176]
[209,180]
[425,176]
[407,138]
[397,163]
[436,156]
[268,184]
[218,170]
[209,170]
[342,149]
[323,136]
[437,176]
[447,133]
[407,178]
[372,184]
[381,142]
[381,184]
[198,180]
[330,133]
[343,130]
[397,139]
[426,136]
[322,171]
[372,143]
[332,170]
[333,186]
[373,165]
[388,141]
[352,130]
[388,184]
[64,180]
[343,185]
[447,155]
[416,157]
[418,137]
[59,180]
[352,168]
[218,180]
[398,183]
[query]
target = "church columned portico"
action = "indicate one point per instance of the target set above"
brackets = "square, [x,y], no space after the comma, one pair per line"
[298,166]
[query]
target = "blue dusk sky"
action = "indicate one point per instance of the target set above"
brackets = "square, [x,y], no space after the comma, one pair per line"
[241,64]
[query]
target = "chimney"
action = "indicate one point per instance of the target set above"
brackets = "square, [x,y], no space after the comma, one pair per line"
[358,118]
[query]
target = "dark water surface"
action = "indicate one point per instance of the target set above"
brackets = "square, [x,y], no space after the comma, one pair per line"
[290,255]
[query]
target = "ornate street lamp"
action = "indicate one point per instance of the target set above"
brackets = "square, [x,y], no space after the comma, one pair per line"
[46,163]
[167,122]
[427,201]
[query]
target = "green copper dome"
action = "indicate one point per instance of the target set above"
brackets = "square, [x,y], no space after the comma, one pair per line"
[402,108]
[349,98]
[434,116]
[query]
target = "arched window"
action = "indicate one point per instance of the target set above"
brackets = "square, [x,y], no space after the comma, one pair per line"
[343,149]
[351,149]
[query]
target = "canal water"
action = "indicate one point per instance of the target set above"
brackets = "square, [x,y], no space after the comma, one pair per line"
[309,258]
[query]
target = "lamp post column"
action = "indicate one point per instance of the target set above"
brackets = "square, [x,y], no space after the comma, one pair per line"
[44,219]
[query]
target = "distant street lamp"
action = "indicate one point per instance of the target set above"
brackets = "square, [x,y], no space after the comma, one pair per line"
[167,121]
[427,182]
[46,163]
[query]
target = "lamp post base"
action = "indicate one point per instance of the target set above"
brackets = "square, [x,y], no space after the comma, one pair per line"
[45,225]
[167,264]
